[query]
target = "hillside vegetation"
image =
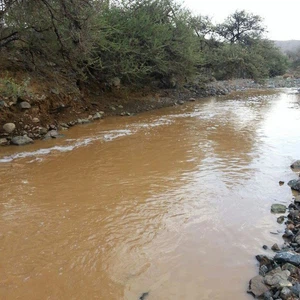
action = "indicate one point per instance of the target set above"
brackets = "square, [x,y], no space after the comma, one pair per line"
[133,42]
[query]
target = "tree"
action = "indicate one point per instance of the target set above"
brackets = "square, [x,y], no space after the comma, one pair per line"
[241,27]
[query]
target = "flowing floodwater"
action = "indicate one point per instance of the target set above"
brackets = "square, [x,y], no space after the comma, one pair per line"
[174,203]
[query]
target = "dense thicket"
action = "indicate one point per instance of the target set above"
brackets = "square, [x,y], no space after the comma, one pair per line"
[135,40]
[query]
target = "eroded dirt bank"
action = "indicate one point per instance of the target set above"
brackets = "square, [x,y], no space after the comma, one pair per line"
[40,109]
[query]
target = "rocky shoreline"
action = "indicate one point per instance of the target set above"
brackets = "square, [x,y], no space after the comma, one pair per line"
[27,119]
[279,276]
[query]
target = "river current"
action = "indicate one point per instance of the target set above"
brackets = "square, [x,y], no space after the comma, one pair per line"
[174,202]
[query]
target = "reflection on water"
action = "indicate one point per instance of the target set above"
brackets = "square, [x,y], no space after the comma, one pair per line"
[173,202]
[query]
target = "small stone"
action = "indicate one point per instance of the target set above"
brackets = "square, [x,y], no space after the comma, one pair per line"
[192,99]
[21,140]
[281,182]
[3,104]
[120,106]
[35,120]
[90,117]
[265,247]
[296,289]
[278,208]
[97,116]
[3,141]
[268,295]
[288,233]
[297,199]
[43,130]
[290,267]
[275,247]
[54,91]
[52,127]
[25,105]
[280,219]
[180,102]
[285,293]
[284,283]
[64,125]
[112,108]
[9,127]
[263,270]
[297,239]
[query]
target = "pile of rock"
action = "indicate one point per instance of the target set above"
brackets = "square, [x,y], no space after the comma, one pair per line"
[32,132]
[279,276]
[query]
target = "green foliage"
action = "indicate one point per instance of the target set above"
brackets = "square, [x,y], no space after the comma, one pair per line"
[10,89]
[135,40]
[241,27]
[146,39]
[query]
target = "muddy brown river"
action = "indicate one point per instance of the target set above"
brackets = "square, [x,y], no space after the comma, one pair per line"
[174,203]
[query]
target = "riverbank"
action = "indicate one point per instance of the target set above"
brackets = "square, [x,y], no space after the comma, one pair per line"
[279,276]
[43,109]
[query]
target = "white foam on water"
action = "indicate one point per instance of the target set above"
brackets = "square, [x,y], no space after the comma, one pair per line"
[105,136]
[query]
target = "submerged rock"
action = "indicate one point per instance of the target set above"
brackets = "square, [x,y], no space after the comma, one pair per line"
[21,140]
[278,208]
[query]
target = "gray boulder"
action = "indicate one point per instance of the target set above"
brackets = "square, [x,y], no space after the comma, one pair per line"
[288,257]
[52,134]
[21,140]
[294,184]
[295,164]
[9,127]
[278,208]
[277,278]
[257,287]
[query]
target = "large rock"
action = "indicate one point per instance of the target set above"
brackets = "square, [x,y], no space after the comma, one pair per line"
[9,127]
[257,287]
[288,257]
[21,140]
[295,164]
[275,279]
[294,184]
[278,208]
[25,105]
[52,134]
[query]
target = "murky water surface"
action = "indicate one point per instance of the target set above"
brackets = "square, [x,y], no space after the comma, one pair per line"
[174,202]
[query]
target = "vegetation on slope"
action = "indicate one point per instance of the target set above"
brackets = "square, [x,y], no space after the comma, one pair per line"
[135,40]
